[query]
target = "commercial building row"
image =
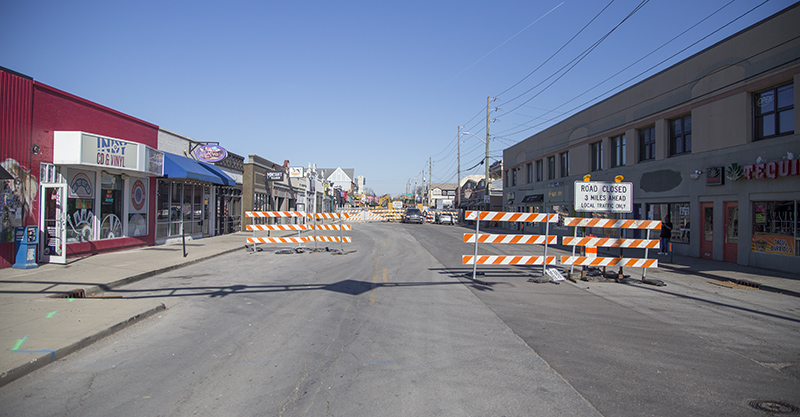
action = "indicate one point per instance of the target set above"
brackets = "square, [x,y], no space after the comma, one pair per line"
[92,179]
[710,141]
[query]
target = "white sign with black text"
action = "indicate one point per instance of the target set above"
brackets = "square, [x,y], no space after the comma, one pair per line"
[603,197]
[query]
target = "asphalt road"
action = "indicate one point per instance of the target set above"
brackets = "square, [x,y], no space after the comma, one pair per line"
[394,329]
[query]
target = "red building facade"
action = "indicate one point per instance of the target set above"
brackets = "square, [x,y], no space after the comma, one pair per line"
[84,173]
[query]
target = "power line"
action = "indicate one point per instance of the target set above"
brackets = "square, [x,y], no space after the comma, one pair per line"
[678,87]
[643,72]
[555,53]
[578,59]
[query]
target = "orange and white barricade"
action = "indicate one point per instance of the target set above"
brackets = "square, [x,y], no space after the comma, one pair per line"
[304,227]
[270,227]
[477,238]
[340,226]
[595,242]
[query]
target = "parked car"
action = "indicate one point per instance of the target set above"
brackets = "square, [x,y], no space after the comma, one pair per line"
[446,218]
[413,215]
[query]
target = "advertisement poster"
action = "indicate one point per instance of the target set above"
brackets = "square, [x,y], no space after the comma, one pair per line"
[777,245]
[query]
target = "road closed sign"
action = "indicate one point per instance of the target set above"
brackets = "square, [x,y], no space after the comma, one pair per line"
[603,197]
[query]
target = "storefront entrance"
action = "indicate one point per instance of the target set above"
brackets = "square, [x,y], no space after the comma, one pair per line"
[707,230]
[53,224]
[730,251]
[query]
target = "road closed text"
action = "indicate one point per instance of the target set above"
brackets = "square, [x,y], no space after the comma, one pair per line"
[603,197]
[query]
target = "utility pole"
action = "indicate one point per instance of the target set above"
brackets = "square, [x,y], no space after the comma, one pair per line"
[458,179]
[430,178]
[486,162]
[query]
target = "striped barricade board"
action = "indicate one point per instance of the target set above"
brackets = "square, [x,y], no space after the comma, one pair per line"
[277,239]
[499,216]
[506,260]
[324,216]
[612,223]
[275,214]
[513,239]
[331,227]
[611,242]
[343,239]
[625,262]
[267,227]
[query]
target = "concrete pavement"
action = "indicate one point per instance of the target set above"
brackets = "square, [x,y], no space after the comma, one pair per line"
[36,328]
[40,324]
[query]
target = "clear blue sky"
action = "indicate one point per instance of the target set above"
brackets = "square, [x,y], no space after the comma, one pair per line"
[377,86]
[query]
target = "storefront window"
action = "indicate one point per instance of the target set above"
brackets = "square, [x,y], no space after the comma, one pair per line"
[206,214]
[137,208]
[176,199]
[775,227]
[182,205]
[111,206]
[162,209]
[80,215]
[680,216]
[80,206]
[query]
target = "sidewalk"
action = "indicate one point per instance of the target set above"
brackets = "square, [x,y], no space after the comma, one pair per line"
[36,329]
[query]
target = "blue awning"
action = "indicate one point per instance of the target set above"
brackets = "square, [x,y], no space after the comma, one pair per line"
[176,166]
[226,179]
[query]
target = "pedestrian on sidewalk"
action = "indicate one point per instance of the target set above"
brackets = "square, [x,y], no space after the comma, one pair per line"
[666,234]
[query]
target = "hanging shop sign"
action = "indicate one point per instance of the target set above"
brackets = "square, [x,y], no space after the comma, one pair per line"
[274,175]
[295,172]
[211,153]
[80,148]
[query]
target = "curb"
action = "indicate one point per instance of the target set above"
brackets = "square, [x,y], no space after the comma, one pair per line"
[760,286]
[144,275]
[49,357]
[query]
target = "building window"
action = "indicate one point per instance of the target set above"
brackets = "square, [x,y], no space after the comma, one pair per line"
[530,172]
[776,227]
[551,167]
[111,204]
[540,170]
[513,177]
[80,205]
[505,179]
[597,156]
[618,160]
[647,144]
[774,112]
[565,164]
[680,135]
[680,215]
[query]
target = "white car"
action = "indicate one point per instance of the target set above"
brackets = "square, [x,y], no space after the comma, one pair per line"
[446,218]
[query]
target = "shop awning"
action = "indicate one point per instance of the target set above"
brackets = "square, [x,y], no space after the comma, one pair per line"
[176,166]
[226,179]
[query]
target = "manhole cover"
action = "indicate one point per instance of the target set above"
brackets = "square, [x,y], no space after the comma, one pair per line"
[775,407]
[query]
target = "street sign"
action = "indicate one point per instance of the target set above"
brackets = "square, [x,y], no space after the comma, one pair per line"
[603,197]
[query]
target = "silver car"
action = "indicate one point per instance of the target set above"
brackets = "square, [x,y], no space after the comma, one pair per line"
[446,218]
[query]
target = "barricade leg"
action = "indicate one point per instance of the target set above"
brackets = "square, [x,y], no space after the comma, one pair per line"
[546,240]
[477,233]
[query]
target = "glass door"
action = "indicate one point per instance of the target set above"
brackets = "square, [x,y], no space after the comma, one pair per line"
[53,224]
[730,251]
[707,230]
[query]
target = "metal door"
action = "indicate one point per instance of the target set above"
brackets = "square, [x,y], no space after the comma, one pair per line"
[707,230]
[730,251]
[53,224]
